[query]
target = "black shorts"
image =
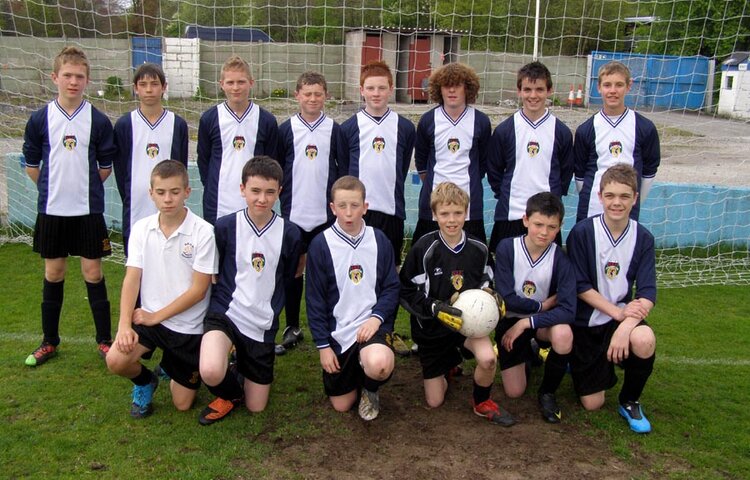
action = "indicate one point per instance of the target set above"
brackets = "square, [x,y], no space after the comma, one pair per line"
[474,228]
[521,347]
[438,355]
[392,226]
[83,236]
[180,355]
[591,370]
[308,236]
[254,359]
[505,229]
[351,376]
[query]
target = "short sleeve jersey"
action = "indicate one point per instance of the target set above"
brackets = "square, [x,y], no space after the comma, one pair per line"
[69,150]
[167,266]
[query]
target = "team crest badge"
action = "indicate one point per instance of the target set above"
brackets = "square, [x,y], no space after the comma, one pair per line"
[187,250]
[70,142]
[311,152]
[529,288]
[238,143]
[453,145]
[457,279]
[195,378]
[532,148]
[152,150]
[106,245]
[615,148]
[356,273]
[611,270]
[378,144]
[259,261]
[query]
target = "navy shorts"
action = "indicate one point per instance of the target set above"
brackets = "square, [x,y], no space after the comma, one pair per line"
[351,376]
[521,347]
[83,236]
[180,355]
[392,226]
[254,359]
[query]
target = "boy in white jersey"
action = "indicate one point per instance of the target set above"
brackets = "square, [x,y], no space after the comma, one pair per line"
[171,261]
[258,256]
[530,152]
[614,135]
[68,149]
[307,154]
[229,134]
[145,137]
[538,284]
[351,299]
[611,252]
[451,146]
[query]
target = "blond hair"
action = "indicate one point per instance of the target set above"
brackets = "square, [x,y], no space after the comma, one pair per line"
[612,68]
[235,62]
[448,193]
[71,55]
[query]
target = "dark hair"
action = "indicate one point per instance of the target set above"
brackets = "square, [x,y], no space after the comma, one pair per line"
[262,166]
[547,204]
[169,169]
[620,173]
[534,71]
[311,78]
[149,70]
[452,75]
[348,182]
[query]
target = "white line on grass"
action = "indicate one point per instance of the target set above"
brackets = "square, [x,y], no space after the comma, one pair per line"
[726,362]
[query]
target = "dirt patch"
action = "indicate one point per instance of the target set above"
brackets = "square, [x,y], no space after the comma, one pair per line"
[409,440]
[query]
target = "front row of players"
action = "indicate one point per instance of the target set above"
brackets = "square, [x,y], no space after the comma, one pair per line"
[353,292]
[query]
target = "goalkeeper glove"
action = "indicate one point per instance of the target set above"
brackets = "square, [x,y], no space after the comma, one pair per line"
[449,316]
[498,300]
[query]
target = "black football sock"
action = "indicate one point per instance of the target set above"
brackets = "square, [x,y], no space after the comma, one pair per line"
[481,393]
[229,388]
[554,371]
[373,385]
[293,302]
[99,304]
[143,378]
[637,371]
[52,299]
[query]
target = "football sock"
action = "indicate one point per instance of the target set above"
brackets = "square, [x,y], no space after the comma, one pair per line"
[373,385]
[99,304]
[229,388]
[637,371]
[481,393]
[52,299]
[143,378]
[293,301]
[554,371]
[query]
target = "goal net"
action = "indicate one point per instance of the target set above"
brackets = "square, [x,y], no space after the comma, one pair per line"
[690,78]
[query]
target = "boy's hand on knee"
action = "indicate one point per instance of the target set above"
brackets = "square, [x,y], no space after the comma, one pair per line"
[328,360]
[125,340]
[619,346]
[513,333]
[368,329]
[448,315]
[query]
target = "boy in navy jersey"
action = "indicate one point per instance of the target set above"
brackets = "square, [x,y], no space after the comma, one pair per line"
[171,261]
[530,152]
[351,298]
[145,137]
[611,252]
[307,154]
[229,134]
[68,148]
[537,282]
[376,146]
[614,135]
[451,146]
[440,265]
[258,256]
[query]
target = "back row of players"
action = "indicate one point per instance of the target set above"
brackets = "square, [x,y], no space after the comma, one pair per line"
[530,152]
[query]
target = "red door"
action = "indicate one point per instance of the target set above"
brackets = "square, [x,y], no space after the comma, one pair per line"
[371,50]
[419,68]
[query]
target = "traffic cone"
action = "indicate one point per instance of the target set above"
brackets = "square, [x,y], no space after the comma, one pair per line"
[571,97]
[579,96]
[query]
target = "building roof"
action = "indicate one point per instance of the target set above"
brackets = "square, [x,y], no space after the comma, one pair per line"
[232,34]
[407,30]
[735,59]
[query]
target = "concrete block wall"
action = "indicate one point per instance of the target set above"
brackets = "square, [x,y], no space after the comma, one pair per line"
[181,64]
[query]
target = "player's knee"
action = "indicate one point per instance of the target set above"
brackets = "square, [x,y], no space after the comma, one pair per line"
[562,340]
[434,401]
[212,375]
[116,362]
[487,361]
[379,368]
[592,402]
[643,341]
[514,391]
[182,404]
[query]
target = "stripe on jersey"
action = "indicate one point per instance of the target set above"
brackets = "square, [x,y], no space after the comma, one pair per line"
[238,137]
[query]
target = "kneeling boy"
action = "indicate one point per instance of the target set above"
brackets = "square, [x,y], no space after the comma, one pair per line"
[537,282]
[352,298]
[171,258]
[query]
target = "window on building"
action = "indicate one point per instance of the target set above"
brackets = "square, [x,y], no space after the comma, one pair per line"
[730,82]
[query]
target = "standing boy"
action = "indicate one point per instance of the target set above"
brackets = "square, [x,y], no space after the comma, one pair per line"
[229,134]
[307,153]
[376,146]
[172,258]
[145,137]
[530,152]
[68,148]
[451,146]
[537,282]
[611,252]
[614,135]
[351,298]
[258,255]
[438,266]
